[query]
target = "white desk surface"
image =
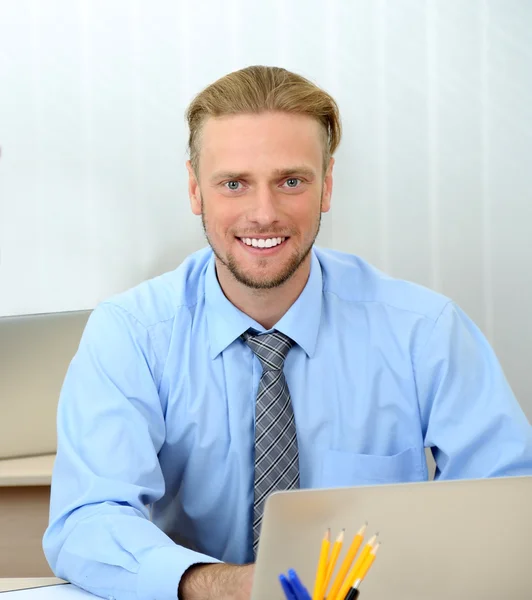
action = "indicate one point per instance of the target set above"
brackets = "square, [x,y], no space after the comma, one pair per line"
[10,584]
[53,591]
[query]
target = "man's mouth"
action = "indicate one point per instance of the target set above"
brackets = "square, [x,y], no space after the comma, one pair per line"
[270,242]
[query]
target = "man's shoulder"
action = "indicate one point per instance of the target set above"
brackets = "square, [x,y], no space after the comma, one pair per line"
[162,297]
[352,279]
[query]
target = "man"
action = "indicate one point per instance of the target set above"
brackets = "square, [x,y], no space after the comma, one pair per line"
[261,363]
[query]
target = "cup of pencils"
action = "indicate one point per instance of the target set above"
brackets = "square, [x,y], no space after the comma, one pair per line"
[345,585]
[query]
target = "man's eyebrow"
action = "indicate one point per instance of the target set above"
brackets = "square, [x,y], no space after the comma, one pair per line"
[228,175]
[286,172]
[297,170]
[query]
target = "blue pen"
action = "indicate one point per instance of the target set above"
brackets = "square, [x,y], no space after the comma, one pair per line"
[287,588]
[300,590]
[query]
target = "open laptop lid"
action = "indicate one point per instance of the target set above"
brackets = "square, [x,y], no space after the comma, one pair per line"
[464,539]
[35,351]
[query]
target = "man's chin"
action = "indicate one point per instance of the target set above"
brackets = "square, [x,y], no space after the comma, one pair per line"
[266,281]
[261,283]
[264,274]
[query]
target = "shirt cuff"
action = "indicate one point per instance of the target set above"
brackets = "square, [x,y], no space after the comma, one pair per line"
[160,573]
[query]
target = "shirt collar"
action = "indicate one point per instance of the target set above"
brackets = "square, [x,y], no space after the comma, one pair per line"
[226,322]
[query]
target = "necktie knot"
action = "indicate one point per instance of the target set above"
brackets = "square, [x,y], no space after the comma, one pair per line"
[270,348]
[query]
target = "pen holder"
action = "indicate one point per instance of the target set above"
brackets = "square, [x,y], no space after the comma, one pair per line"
[346,583]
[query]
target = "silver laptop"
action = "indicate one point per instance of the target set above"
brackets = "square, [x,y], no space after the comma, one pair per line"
[35,351]
[444,540]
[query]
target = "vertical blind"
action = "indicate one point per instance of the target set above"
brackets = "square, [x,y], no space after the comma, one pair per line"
[433,179]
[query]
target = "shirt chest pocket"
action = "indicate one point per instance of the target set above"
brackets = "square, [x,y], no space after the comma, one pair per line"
[341,468]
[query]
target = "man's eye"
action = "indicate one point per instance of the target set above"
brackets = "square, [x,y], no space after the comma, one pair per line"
[232,185]
[292,182]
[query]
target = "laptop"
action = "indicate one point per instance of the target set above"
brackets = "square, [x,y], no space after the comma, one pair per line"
[441,540]
[35,351]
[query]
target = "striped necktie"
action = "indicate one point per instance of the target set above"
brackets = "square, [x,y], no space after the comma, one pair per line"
[276,452]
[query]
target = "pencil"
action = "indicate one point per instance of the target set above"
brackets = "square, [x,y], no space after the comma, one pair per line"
[350,580]
[337,547]
[353,592]
[346,563]
[322,565]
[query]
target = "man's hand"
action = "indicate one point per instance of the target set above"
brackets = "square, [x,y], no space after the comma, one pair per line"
[217,582]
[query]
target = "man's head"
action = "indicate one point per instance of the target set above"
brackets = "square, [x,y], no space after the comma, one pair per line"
[260,170]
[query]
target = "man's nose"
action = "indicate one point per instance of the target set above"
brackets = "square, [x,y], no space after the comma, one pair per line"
[263,209]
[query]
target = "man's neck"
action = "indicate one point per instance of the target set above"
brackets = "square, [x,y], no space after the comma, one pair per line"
[266,307]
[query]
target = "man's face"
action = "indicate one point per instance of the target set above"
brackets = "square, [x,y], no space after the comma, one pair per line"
[261,192]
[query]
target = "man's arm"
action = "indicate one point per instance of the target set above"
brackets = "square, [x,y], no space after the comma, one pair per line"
[110,429]
[470,416]
[217,582]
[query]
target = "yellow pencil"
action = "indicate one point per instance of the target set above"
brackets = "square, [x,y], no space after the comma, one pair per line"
[366,566]
[322,565]
[350,580]
[346,563]
[363,571]
[337,547]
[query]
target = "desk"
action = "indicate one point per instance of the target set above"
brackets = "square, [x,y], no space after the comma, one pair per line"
[33,470]
[24,508]
[10,584]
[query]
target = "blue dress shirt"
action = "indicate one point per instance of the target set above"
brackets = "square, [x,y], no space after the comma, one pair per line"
[154,468]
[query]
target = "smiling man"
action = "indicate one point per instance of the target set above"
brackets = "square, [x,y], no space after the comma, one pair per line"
[261,363]
[262,219]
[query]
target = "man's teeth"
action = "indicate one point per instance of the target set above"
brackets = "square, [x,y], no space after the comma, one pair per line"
[263,243]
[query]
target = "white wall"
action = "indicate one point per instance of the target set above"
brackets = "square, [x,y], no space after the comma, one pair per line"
[433,178]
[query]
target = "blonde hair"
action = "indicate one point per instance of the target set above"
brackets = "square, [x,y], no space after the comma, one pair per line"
[258,89]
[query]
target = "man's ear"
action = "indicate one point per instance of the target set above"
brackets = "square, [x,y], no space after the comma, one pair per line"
[327,188]
[194,193]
